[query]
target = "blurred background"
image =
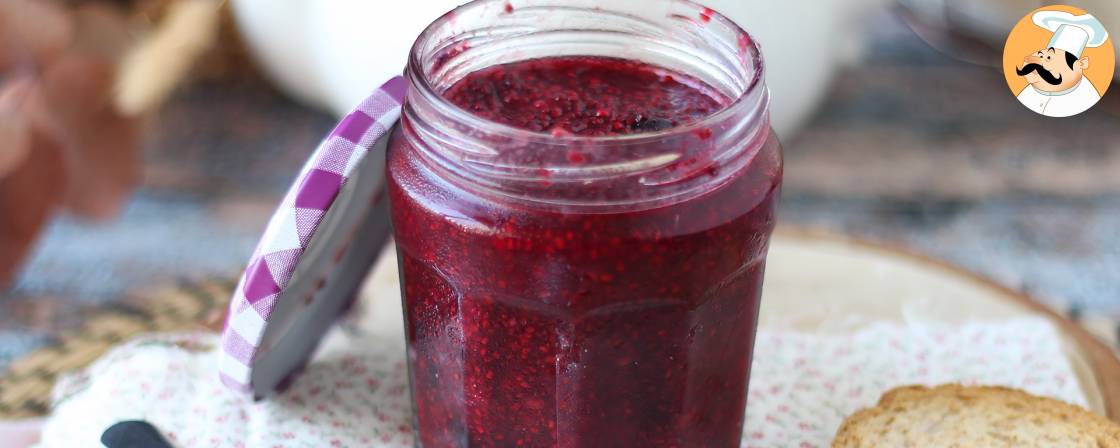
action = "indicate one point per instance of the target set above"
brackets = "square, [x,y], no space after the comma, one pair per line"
[145,143]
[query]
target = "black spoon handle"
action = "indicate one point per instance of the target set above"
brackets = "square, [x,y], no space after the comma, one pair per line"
[133,434]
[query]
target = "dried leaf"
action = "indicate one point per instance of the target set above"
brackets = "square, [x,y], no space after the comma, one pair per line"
[100,144]
[15,129]
[32,32]
[102,30]
[28,195]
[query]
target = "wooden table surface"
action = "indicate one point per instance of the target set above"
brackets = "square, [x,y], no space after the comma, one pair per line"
[910,147]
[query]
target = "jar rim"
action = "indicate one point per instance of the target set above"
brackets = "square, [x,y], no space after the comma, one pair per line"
[753,95]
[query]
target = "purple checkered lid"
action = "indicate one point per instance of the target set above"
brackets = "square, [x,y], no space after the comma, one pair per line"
[315,252]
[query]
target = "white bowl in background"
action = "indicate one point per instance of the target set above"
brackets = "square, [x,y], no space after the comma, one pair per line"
[331,53]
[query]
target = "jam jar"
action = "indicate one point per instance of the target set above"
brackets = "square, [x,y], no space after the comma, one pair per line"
[582,198]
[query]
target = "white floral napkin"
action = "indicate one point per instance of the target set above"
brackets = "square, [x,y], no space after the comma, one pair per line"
[355,393]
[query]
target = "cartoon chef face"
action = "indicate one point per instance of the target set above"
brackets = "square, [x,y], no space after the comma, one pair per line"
[1053,69]
[1058,73]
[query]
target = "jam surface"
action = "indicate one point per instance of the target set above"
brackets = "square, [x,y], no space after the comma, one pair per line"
[547,328]
[584,96]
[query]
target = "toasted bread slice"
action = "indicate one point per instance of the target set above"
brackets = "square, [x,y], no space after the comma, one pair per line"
[959,416]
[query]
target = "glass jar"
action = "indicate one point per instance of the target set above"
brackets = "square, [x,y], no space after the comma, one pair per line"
[575,291]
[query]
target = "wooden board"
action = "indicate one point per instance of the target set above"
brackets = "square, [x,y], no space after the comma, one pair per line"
[863,278]
[881,280]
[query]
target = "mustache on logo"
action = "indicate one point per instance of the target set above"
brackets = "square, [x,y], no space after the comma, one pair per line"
[1042,72]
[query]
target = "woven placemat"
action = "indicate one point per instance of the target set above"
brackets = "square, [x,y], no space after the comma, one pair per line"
[25,388]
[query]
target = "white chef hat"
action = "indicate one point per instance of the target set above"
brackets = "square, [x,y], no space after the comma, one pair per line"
[1071,33]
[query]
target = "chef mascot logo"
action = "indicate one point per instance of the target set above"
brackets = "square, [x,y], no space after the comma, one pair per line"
[1059,61]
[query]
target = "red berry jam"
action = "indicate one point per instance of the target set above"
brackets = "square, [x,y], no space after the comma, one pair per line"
[564,327]
[584,96]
